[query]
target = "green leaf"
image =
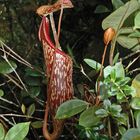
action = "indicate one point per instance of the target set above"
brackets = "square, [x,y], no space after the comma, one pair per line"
[23,108]
[93,64]
[5,68]
[101,113]
[135,103]
[106,103]
[37,124]
[113,75]
[32,72]
[119,70]
[88,117]
[107,71]
[34,91]
[135,34]
[115,60]
[33,81]
[120,96]
[138,121]
[126,30]
[117,3]
[122,119]
[101,9]
[128,42]
[115,110]
[31,110]
[1,92]
[117,18]
[122,130]
[2,132]
[136,85]
[70,108]
[137,21]
[18,131]
[131,134]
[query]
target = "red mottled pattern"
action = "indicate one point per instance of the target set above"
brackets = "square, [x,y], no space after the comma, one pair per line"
[58,70]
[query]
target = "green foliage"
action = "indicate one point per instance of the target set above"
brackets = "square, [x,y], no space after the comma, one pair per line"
[137,19]
[117,3]
[101,9]
[88,118]
[93,64]
[18,131]
[116,20]
[1,92]
[135,103]
[5,68]
[131,134]
[31,110]
[2,132]
[70,108]
[37,124]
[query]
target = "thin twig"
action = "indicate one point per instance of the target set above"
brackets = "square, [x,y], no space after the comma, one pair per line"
[9,102]
[22,116]
[6,120]
[130,64]
[5,58]
[7,108]
[100,75]
[54,31]
[60,19]
[130,55]
[14,53]
[6,75]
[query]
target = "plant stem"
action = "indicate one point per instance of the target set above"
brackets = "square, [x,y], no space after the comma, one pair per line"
[132,116]
[54,31]
[109,128]
[60,19]
[113,45]
[100,75]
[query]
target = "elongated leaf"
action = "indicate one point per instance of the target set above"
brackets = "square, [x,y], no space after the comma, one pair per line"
[31,110]
[135,34]
[137,21]
[128,42]
[119,70]
[126,30]
[88,118]
[32,72]
[117,18]
[2,132]
[122,130]
[93,64]
[23,108]
[37,124]
[135,103]
[18,131]
[5,67]
[101,9]
[70,108]
[1,92]
[136,85]
[101,113]
[131,134]
[34,91]
[117,3]
[138,121]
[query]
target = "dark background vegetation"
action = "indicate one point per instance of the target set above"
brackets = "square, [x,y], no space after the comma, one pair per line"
[81,34]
